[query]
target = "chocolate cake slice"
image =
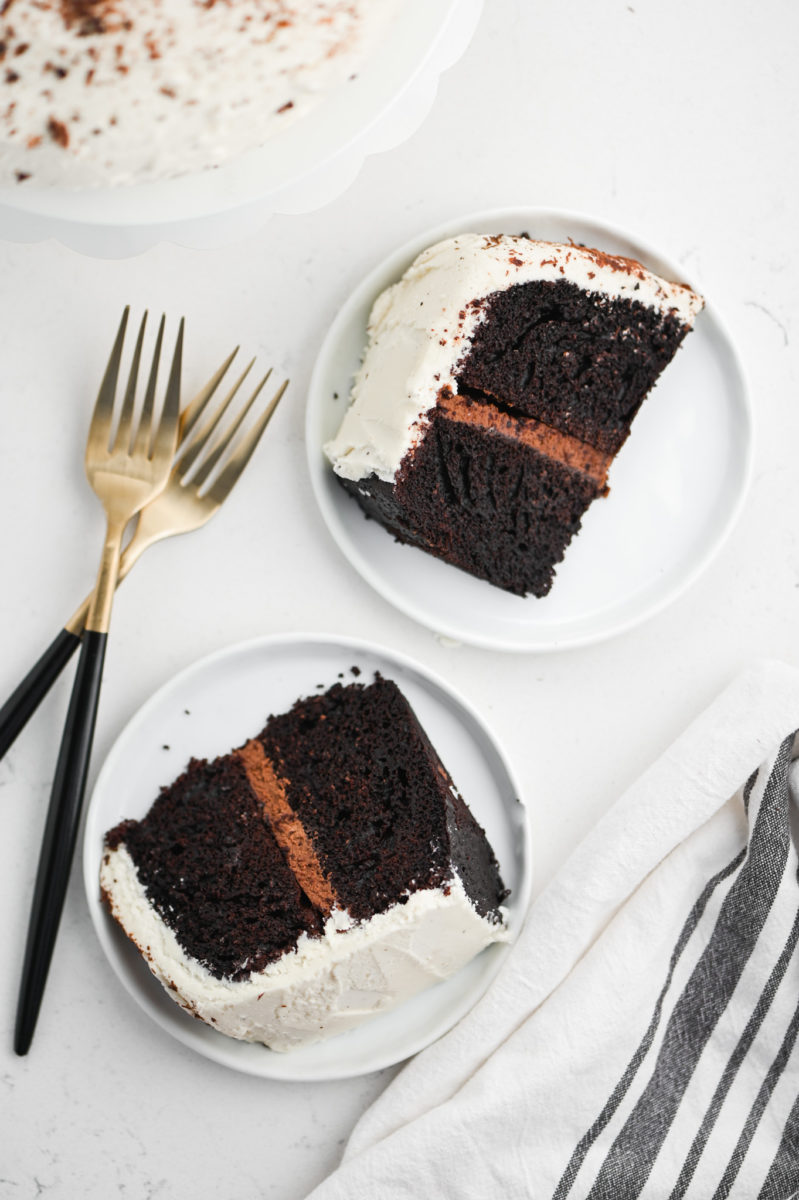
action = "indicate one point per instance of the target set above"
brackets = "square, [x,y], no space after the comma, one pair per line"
[319,874]
[501,377]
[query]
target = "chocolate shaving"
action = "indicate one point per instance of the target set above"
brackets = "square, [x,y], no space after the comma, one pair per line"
[90,16]
[58,132]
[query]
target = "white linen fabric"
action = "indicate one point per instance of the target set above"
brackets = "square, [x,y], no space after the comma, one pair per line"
[641,1040]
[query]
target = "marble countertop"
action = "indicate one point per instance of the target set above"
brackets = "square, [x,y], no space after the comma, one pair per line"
[675,122]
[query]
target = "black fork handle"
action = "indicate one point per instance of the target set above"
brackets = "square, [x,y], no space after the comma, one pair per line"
[26,698]
[60,834]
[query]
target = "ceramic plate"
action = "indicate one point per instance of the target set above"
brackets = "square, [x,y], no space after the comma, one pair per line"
[677,485]
[217,704]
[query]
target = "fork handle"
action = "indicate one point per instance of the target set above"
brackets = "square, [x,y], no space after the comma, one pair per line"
[60,833]
[28,695]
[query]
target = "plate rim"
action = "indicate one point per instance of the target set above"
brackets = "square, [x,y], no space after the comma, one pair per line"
[369,286]
[279,1064]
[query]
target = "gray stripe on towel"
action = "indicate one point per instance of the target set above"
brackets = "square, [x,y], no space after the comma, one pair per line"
[736,1058]
[782,1180]
[758,1108]
[743,913]
[622,1087]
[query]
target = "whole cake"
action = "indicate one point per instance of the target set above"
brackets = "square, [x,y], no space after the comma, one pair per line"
[500,379]
[316,876]
[108,92]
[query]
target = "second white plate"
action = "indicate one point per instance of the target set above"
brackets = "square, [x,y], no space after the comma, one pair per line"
[216,704]
[676,487]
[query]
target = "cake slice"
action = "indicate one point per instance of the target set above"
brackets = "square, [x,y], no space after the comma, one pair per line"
[500,379]
[321,873]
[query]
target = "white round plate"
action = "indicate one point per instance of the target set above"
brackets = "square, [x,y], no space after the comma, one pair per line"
[297,170]
[677,485]
[217,704]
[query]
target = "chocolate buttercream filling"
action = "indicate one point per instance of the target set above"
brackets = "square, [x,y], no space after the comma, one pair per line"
[288,830]
[571,451]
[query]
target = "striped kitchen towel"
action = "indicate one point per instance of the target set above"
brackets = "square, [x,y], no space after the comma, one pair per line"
[641,1040]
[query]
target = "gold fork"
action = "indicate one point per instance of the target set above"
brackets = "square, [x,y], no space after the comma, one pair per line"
[191,497]
[125,474]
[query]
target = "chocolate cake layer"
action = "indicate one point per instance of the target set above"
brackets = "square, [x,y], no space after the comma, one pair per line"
[496,495]
[580,362]
[210,864]
[375,800]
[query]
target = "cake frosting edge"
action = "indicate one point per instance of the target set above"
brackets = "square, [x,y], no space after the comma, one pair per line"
[421,327]
[326,985]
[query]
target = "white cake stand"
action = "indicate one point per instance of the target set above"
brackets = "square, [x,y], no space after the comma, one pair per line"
[300,170]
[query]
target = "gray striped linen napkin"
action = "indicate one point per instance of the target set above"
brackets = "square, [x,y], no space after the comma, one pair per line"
[641,1040]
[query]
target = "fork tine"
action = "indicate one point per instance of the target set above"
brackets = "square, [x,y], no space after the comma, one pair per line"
[222,486]
[192,413]
[188,456]
[122,439]
[104,405]
[146,416]
[163,447]
[208,463]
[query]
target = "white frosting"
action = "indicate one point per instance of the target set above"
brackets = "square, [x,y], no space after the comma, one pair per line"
[329,984]
[168,86]
[420,328]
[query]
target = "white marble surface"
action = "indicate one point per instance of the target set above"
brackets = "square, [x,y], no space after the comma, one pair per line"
[676,121]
